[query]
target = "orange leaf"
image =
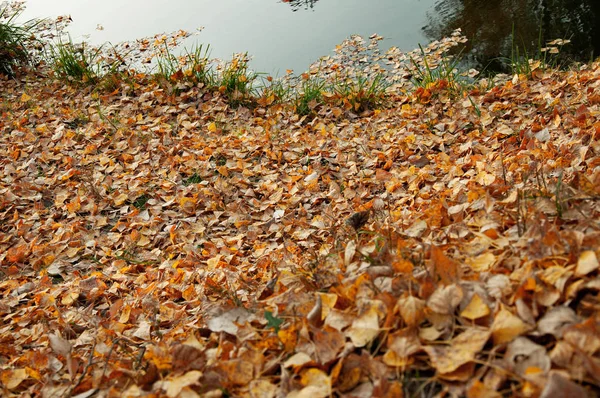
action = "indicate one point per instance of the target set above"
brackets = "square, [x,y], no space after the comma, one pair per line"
[17,254]
[444,267]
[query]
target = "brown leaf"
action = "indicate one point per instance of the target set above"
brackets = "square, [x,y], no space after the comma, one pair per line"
[560,386]
[522,354]
[59,345]
[411,310]
[359,219]
[401,345]
[444,267]
[186,357]
[444,300]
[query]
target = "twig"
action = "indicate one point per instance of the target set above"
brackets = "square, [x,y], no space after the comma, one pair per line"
[88,365]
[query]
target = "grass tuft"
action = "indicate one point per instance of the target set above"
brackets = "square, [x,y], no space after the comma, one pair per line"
[76,63]
[193,65]
[522,62]
[15,40]
[309,94]
[361,93]
[445,73]
[236,81]
[275,90]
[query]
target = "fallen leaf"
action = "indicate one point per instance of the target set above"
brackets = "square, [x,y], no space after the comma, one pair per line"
[587,263]
[461,350]
[365,327]
[476,308]
[507,326]
[174,386]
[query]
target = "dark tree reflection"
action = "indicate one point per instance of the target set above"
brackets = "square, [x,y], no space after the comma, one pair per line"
[300,4]
[489,26]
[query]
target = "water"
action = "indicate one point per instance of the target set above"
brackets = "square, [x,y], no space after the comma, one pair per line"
[291,34]
[489,26]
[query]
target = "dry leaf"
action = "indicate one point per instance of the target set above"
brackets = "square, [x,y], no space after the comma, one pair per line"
[411,310]
[476,308]
[445,299]
[507,326]
[461,350]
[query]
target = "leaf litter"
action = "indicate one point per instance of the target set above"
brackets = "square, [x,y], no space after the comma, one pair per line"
[155,243]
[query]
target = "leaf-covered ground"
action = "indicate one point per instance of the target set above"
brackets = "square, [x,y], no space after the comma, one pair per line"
[154,244]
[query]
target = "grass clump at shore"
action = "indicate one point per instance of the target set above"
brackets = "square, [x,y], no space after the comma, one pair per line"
[16,40]
[444,72]
[193,65]
[361,92]
[309,94]
[233,79]
[236,80]
[82,64]
[522,62]
[274,90]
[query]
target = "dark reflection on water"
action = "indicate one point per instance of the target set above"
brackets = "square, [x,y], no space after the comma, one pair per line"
[300,4]
[489,27]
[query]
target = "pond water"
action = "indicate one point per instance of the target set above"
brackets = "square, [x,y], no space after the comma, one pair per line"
[291,34]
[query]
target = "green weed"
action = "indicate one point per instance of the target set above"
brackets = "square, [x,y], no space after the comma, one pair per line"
[524,63]
[236,81]
[309,95]
[445,70]
[80,64]
[192,66]
[15,40]
[275,90]
[197,62]
[362,92]
[141,201]
[193,179]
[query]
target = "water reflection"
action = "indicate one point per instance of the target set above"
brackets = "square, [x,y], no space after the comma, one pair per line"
[300,4]
[489,26]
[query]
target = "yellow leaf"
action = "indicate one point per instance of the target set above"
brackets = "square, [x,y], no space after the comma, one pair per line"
[317,384]
[188,205]
[176,385]
[587,263]
[125,313]
[401,346]
[70,297]
[120,199]
[212,127]
[411,310]
[461,350]
[144,241]
[12,378]
[328,301]
[507,326]
[25,97]
[482,263]
[213,262]
[366,327]
[476,308]
[223,171]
